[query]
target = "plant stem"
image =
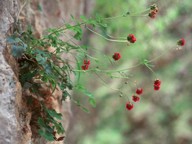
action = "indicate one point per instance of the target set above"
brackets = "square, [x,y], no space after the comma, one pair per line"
[112,40]
[107,85]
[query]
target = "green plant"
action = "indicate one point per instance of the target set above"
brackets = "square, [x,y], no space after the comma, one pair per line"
[40,64]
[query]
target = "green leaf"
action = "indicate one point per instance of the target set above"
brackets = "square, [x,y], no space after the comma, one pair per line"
[84,91]
[77,29]
[13,40]
[17,50]
[89,21]
[92,102]
[41,59]
[47,135]
[41,122]
[79,33]
[44,77]
[54,114]
[28,76]
[85,109]
[59,128]
[84,19]
[53,84]
[98,18]
[48,68]
[65,95]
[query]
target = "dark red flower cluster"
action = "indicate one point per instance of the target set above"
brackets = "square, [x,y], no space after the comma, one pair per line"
[135,98]
[86,64]
[129,106]
[157,84]
[139,91]
[153,11]
[116,56]
[131,38]
[181,42]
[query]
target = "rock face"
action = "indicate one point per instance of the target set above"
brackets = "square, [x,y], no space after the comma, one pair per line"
[41,14]
[10,89]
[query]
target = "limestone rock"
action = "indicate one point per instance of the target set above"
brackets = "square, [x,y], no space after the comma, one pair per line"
[11,123]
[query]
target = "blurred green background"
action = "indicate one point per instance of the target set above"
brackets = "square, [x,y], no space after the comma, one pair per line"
[161,117]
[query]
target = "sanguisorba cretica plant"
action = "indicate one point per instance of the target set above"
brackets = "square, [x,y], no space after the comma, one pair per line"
[40,66]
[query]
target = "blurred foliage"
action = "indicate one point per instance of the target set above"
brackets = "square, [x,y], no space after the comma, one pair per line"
[163,117]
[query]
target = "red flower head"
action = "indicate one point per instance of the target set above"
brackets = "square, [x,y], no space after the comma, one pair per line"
[139,91]
[87,62]
[116,56]
[152,14]
[131,38]
[129,106]
[157,82]
[135,98]
[85,67]
[153,11]
[181,42]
